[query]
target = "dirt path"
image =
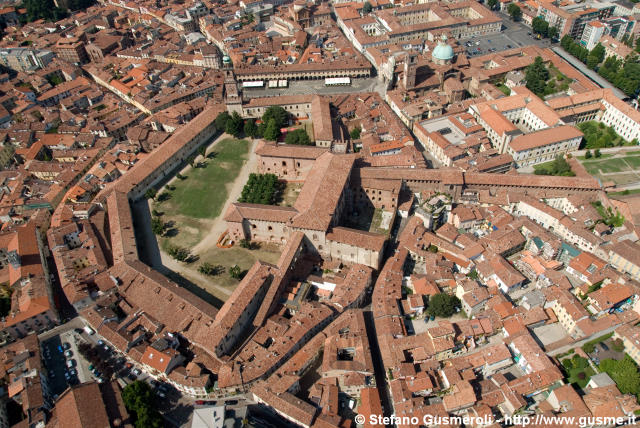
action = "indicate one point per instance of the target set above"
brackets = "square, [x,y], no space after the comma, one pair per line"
[234,190]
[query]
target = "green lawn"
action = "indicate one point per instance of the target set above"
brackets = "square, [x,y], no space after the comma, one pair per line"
[593,158]
[505,90]
[600,165]
[203,193]
[578,370]
[606,165]
[577,378]
[624,192]
[634,161]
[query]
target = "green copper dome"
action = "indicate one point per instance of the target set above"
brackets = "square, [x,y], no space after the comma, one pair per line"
[442,51]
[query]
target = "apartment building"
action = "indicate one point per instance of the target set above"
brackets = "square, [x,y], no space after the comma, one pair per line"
[625,257]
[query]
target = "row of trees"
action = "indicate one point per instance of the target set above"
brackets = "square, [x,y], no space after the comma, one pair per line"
[590,58]
[260,189]
[575,49]
[624,75]
[596,153]
[210,269]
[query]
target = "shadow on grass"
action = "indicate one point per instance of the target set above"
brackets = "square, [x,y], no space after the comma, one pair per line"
[149,253]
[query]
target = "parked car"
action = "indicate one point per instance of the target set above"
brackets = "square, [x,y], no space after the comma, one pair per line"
[68,353]
[136,371]
[65,345]
[100,342]
[71,363]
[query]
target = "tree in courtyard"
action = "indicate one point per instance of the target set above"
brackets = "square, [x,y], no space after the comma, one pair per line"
[278,114]
[202,150]
[138,399]
[210,269]
[355,133]
[443,305]
[366,8]
[221,120]
[250,128]
[234,125]
[588,154]
[178,253]
[164,196]
[151,193]
[272,131]
[236,272]
[299,136]
[514,11]
[492,4]
[597,153]
[157,226]
[537,76]
[553,32]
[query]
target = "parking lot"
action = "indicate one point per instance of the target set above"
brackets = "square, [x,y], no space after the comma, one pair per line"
[513,35]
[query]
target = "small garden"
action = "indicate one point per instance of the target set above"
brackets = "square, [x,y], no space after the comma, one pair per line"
[609,217]
[598,136]
[624,373]
[578,370]
[261,189]
[544,81]
[558,167]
